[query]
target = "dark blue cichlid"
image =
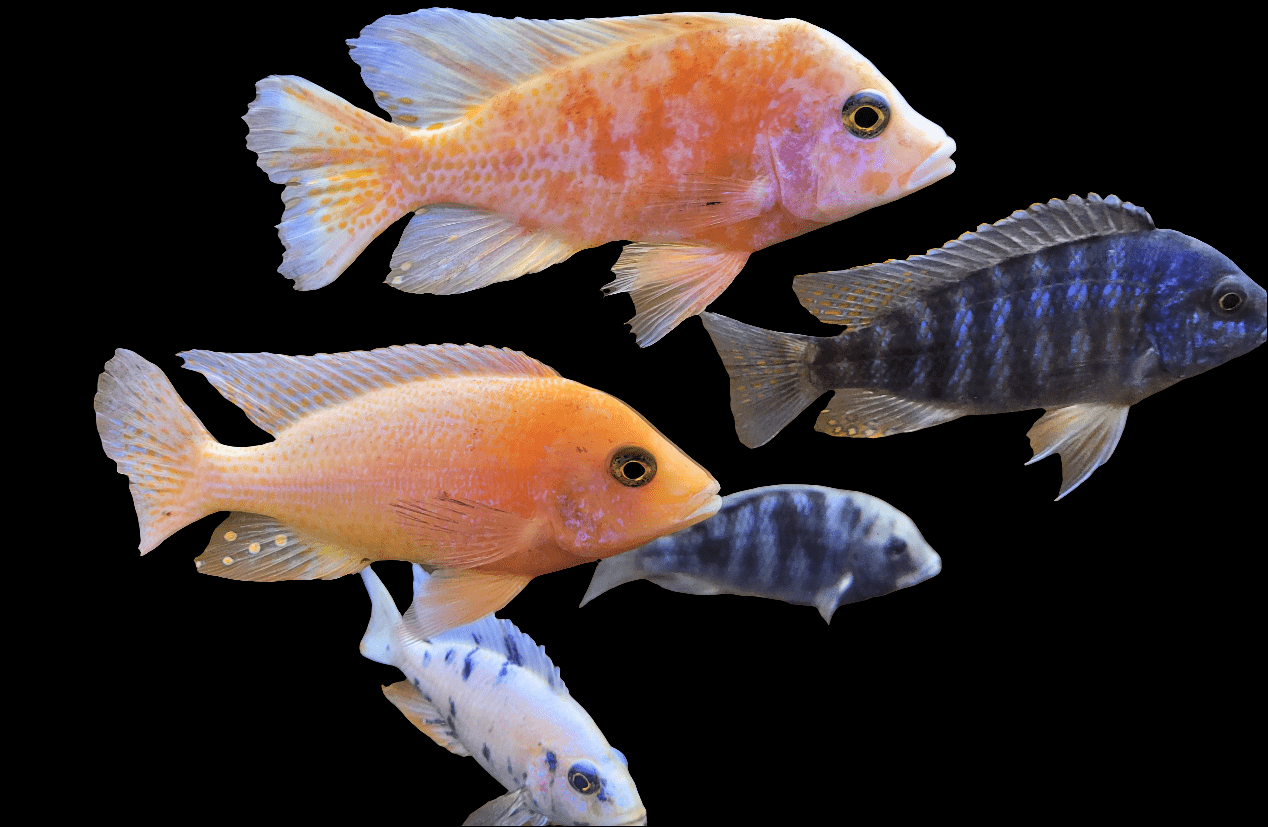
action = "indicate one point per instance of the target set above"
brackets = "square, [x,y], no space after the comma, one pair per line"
[802,544]
[1081,307]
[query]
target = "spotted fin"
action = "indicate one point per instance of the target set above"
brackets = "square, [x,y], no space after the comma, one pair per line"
[670,282]
[857,296]
[453,248]
[462,534]
[450,598]
[430,721]
[859,412]
[433,66]
[256,547]
[275,390]
[770,383]
[497,635]
[513,808]
[1084,435]
[154,439]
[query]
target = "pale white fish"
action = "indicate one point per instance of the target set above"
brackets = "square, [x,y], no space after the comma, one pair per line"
[488,691]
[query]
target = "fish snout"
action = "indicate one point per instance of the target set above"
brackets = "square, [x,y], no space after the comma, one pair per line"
[704,504]
[931,567]
[934,168]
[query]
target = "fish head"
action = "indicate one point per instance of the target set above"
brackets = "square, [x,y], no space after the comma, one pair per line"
[614,482]
[893,555]
[579,785]
[846,140]
[1205,310]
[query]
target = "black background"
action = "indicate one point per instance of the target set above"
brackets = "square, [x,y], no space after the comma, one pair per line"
[1062,643]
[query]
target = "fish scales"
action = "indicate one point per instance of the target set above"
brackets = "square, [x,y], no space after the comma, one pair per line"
[1081,307]
[801,544]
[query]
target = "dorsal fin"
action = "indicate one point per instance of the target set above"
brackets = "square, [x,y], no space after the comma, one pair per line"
[430,67]
[857,296]
[497,635]
[275,390]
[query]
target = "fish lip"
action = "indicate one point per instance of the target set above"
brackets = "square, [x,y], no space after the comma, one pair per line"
[934,168]
[709,503]
[928,570]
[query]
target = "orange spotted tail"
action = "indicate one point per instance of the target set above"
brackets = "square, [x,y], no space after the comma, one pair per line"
[336,161]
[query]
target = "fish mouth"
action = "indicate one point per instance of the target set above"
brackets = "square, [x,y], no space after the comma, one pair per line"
[926,571]
[706,503]
[936,167]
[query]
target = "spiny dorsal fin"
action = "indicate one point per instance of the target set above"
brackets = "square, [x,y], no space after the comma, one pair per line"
[857,296]
[276,390]
[497,635]
[432,66]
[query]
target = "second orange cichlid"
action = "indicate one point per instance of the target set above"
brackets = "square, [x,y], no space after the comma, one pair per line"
[516,143]
[481,463]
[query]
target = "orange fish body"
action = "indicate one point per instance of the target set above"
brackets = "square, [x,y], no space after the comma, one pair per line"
[701,137]
[481,463]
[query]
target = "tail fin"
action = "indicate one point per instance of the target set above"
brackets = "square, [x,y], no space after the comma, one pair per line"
[376,644]
[612,572]
[340,192]
[770,383]
[155,439]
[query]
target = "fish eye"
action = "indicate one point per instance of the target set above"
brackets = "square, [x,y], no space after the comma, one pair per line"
[895,547]
[865,114]
[583,778]
[633,466]
[1228,295]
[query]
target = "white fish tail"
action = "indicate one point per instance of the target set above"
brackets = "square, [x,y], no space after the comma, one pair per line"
[156,440]
[341,191]
[769,376]
[612,572]
[378,642]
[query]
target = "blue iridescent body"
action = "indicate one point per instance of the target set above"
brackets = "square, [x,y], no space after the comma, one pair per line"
[1080,307]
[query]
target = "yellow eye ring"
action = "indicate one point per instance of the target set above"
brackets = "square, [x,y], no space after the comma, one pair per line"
[866,114]
[632,466]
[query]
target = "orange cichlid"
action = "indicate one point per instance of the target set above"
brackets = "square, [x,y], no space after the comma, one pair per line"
[516,143]
[481,463]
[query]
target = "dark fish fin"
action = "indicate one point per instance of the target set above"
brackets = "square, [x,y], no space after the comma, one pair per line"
[670,282]
[410,701]
[769,381]
[515,807]
[860,412]
[256,547]
[1084,435]
[450,598]
[857,296]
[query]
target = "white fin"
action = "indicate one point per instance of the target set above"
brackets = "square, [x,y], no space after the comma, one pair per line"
[453,248]
[432,66]
[156,440]
[827,600]
[376,643]
[1084,435]
[256,547]
[669,282]
[769,381]
[338,182]
[857,296]
[448,599]
[430,721]
[860,412]
[514,808]
[275,391]
[694,203]
[466,534]
[612,572]
[497,635]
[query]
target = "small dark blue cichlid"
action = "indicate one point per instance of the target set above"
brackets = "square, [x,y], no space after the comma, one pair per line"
[803,544]
[1080,307]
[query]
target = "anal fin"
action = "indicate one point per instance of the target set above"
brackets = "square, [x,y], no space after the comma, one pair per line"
[255,547]
[1085,435]
[410,701]
[451,598]
[859,412]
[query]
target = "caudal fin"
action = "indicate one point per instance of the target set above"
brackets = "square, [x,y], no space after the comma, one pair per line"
[770,383]
[156,440]
[335,161]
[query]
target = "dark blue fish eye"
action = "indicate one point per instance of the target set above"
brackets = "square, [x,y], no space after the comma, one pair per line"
[583,778]
[1228,295]
[865,114]
[895,546]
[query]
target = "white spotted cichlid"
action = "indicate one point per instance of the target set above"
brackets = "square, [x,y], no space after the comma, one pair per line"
[482,463]
[1081,307]
[802,544]
[488,691]
[516,143]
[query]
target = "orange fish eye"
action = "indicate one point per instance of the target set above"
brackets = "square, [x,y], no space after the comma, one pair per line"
[865,114]
[632,466]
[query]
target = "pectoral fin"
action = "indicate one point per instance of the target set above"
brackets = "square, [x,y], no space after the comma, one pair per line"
[1084,435]
[513,808]
[462,534]
[410,701]
[455,598]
